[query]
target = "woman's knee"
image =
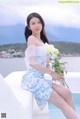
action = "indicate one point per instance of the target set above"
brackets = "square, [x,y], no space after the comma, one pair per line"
[68,94]
[63,91]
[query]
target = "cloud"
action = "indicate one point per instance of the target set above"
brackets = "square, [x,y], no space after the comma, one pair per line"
[26,2]
[14,12]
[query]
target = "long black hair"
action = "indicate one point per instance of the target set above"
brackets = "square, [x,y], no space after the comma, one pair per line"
[28,32]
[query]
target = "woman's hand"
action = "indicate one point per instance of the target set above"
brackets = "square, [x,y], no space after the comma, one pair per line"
[56,76]
[48,61]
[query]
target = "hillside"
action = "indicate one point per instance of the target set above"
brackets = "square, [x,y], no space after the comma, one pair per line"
[15,34]
[65,48]
[68,48]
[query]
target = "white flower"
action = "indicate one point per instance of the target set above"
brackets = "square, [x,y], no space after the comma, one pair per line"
[55,63]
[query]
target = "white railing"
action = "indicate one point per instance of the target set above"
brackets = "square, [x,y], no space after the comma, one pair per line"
[18,103]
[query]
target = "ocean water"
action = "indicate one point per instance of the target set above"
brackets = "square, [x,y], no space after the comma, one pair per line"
[8,65]
[55,113]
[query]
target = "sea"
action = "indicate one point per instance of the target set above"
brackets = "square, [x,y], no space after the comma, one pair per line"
[9,65]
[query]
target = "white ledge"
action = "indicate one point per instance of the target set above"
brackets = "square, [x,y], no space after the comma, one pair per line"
[19,103]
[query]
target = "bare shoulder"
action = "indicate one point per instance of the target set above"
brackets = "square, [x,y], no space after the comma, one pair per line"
[31,40]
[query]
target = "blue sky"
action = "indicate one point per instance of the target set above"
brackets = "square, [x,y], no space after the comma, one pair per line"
[15,11]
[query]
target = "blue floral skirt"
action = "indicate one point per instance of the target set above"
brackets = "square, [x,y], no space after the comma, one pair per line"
[35,82]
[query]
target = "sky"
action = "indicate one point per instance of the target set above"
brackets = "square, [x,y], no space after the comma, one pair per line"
[14,12]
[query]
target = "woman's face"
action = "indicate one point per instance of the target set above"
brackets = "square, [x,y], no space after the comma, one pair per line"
[35,26]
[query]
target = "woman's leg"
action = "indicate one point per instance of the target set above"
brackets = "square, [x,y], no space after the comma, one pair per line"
[60,102]
[65,93]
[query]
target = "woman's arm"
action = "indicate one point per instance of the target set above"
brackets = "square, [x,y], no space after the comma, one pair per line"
[34,64]
[53,74]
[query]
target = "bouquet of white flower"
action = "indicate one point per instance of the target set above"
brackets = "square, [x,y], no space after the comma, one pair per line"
[55,62]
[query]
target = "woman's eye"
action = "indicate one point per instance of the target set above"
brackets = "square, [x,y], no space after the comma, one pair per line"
[33,23]
[39,22]
[36,23]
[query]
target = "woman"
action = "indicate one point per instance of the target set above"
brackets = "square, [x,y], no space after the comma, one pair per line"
[35,56]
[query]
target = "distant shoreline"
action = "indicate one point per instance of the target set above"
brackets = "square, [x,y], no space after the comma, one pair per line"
[66,49]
